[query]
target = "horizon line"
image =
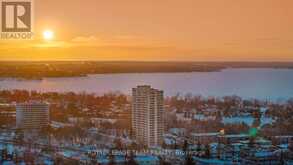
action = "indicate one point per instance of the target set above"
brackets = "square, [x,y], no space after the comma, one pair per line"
[165,61]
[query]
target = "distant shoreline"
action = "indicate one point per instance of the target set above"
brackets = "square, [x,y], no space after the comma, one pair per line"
[61,69]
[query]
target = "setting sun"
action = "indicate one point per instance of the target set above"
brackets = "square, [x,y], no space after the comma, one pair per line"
[48,35]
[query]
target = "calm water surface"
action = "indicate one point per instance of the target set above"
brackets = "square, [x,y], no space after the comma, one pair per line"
[272,84]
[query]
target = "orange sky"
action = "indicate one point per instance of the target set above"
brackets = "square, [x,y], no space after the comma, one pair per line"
[198,30]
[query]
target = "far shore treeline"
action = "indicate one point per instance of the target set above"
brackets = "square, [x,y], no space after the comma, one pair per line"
[41,69]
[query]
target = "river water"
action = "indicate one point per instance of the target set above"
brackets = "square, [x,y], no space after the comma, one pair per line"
[271,84]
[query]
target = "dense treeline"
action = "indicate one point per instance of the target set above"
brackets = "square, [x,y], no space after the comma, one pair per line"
[38,70]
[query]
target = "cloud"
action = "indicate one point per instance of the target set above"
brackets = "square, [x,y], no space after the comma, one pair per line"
[117,41]
[232,43]
[55,44]
[268,39]
[84,39]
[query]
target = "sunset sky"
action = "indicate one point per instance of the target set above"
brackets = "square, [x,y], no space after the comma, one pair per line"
[158,30]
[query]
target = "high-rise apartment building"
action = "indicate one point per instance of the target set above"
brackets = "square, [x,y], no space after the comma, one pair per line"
[148,115]
[32,115]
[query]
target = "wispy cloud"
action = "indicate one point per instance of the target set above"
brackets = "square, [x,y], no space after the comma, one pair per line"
[85,39]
